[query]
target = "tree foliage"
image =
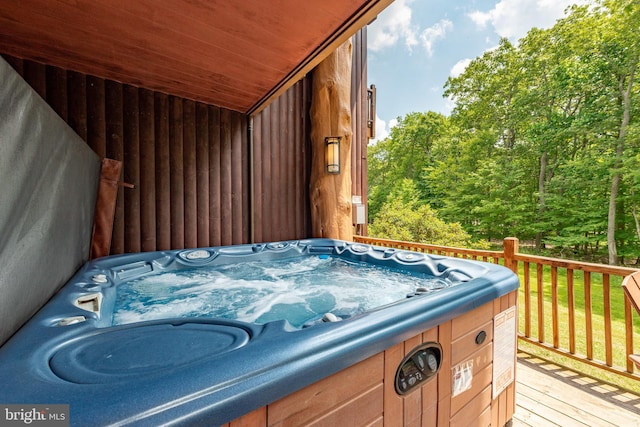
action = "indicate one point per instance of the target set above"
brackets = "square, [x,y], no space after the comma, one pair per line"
[404,217]
[543,141]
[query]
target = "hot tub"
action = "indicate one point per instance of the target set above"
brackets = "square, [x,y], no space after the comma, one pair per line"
[204,336]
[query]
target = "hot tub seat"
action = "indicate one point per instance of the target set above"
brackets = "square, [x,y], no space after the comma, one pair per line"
[198,370]
[140,352]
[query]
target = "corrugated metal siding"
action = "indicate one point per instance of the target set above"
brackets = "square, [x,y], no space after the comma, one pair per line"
[281,166]
[190,162]
[282,154]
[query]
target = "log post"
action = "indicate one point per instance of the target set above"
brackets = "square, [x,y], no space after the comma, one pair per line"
[330,194]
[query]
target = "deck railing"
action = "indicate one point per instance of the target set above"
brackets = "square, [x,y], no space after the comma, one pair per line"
[572,308]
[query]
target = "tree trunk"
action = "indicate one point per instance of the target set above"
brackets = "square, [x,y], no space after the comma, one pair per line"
[330,194]
[637,222]
[541,198]
[625,91]
[611,218]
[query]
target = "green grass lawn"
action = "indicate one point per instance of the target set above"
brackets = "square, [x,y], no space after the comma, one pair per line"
[618,339]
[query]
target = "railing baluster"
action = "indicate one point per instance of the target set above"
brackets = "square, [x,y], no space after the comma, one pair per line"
[606,290]
[527,299]
[588,313]
[572,313]
[540,279]
[554,307]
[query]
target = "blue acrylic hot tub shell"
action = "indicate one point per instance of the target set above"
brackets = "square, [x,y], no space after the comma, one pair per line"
[211,371]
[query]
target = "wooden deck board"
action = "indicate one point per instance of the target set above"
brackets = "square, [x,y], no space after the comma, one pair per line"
[549,395]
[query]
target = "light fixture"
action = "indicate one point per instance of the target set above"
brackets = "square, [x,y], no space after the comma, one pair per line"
[332,156]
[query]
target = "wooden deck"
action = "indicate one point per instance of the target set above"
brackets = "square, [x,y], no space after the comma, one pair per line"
[549,395]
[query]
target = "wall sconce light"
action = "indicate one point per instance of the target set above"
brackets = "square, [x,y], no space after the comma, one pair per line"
[332,157]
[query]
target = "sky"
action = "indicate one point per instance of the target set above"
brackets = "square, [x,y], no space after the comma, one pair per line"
[415,45]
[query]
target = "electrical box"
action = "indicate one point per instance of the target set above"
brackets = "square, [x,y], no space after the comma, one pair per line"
[358,210]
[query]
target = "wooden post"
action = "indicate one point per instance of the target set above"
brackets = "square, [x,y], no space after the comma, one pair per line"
[510,250]
[330,194]
[105,209]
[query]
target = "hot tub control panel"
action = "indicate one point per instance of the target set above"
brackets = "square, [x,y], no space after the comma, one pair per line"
[420,365]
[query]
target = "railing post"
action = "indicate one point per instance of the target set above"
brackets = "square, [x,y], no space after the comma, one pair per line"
[510,251]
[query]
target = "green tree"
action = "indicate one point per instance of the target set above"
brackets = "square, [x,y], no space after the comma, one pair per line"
[403,155]
[405,218]
[543,142]
[619,54]
[494,191]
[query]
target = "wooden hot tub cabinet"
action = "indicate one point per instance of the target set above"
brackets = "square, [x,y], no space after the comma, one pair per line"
[364,394]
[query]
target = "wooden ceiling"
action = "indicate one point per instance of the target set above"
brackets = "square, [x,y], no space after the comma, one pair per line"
[234,54]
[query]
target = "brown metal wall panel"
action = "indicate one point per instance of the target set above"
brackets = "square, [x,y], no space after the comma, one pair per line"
[190,162]
[279,163]
[281,149]
[162,170]
[360,139]
[276,165]
[215,229]
[265,220]
[95,115]
[190,189]
[35,75]
[176,172]
[146,119]
[282,155]
[303,221]
[292,158]
[305,154]
[284,151]
[296,126]
[239,189]
[16,63]
[202,173]
[225,179]
[131,169]
[115,150]
[257,189]
[355,113]
[281,167]
[77,103]
[246,179]
[57,91]
[268,218]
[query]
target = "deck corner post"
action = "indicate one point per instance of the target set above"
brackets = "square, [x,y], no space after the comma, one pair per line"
[511,247]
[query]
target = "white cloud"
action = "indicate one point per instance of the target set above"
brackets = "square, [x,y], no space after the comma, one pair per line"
[480,18]
[396,26]
[514,18]
[382,131]
[449,105]
[393,26]
[459,67]
[436,32]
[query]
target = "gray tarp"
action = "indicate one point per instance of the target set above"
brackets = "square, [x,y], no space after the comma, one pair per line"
[48,186]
